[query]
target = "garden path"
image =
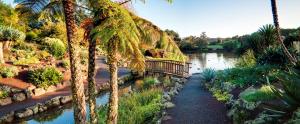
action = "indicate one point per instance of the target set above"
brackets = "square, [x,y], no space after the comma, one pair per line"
[195,105]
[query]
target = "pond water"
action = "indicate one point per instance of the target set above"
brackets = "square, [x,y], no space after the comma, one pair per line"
[199,61]
[217,61]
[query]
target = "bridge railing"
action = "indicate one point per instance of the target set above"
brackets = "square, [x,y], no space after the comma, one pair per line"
[170,67]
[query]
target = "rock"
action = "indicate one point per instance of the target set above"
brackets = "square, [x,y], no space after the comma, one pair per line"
[167,97]
[8,118]
[38,91]
[53,102]
[32,87]
[25,113]
[51,89]
[35,109]
[28,93]
[65,99]
[169,105]
[5,101]
[14,90]
[18,97]
[42,107]
[166,118]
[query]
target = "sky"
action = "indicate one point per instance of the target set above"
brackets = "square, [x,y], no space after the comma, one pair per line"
[218,18]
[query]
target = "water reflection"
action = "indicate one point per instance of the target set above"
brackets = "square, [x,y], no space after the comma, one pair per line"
[217,61]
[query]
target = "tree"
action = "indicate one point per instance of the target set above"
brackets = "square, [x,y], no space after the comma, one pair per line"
[77,86]
[292,59]
[115,29]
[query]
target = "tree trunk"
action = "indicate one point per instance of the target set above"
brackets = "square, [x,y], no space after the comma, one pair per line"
[112,116]
[292,59]
[91,82]
[77,86]
[1,53]
[6,45]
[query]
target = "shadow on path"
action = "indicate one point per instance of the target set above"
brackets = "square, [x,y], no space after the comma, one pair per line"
[194,105]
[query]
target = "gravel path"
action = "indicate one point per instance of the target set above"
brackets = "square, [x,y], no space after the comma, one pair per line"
[195,105]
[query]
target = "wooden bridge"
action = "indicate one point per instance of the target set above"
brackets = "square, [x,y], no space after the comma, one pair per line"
[169,67]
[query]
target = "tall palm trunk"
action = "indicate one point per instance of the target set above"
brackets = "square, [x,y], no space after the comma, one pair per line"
[1,53]
[77,86]
[112,116]
[292,59]
[91,82]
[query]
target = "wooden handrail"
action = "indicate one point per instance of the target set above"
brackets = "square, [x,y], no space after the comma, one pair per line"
[171,67]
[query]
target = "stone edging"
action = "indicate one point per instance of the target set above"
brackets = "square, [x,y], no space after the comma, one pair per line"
[54,102]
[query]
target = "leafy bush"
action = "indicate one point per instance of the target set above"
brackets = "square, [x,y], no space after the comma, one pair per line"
[149,82]
[3,94]
[27,61]
[65,63]
[248,75]
[247,60]
[54,46]
[208,74]
[43,55]
[11,34]
[256,95]
[23,46]
[31,36]
[8,72]
[272,56]
[220,95]
[167,82]
[45,77]
[137,108]
[230,45]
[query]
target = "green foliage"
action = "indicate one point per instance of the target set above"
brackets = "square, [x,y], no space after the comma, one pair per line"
[167,82]
[27,61]
[149,82]
[45,77]
[231,45]
[272,56]
[65,63]
[8,71]
[31,36]
[11,34]
[42,55]
[256,95]
[3,94]
[220,95]
[137,108]
[54,46]
[247,60]
[23,46]
[7,15]
[247,76]
[208,74]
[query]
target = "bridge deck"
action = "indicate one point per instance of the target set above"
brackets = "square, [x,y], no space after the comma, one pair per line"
[169,67]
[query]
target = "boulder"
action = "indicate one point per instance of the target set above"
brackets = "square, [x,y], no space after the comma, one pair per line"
[28,93]
[65,99]
[8,118]
[5,101]
[166,118]
[167,97]
[169,105]
[25,113]
[35,109]
[42,107]
[14,90]
[53,102]
[19,97]
[39,91]
[51,89]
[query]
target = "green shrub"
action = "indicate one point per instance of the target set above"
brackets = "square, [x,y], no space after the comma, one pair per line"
[167,82]
[23,46]
[3,94]
[272,56]
[45,77]
[256,95]
[65,63]
[137,108]
[230,45]
[54,46]
[247,60]
[11,34]
[220,95]
[208,74]
[27,61]
[149,82]
[8,72]
[31,36]
[43,55]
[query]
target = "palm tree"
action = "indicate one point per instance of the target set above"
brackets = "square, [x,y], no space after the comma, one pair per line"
[77,86]
[292,59]
[115,29]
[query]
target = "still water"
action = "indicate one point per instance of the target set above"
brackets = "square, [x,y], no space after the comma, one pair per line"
[198,61]
[217,61]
